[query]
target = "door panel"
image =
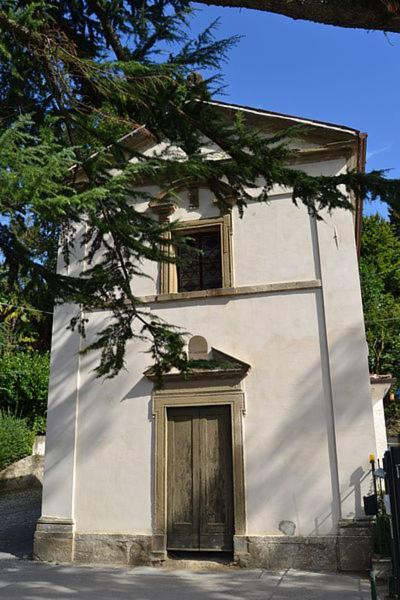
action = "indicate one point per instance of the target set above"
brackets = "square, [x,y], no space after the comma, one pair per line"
[216,513]
[183,478]
[199,479]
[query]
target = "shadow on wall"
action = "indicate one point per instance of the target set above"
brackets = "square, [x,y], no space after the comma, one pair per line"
[304,422]
[300,450]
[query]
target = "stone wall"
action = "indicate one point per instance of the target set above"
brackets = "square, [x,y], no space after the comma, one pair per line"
[25,473]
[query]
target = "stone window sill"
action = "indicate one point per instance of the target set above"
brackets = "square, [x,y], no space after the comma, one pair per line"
[246,290]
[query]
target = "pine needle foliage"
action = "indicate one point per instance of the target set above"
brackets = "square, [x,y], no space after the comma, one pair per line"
[81,82]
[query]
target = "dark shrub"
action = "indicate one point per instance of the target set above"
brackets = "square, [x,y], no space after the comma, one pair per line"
[24,380]
[16,439]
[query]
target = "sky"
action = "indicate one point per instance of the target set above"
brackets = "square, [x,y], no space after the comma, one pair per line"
[344,76]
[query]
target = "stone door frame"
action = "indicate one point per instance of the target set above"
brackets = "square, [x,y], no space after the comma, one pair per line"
[212,395]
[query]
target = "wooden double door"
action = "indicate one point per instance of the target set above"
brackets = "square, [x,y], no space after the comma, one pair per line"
[199,479]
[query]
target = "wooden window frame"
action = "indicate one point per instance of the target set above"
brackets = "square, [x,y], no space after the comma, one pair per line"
[168,271]
[212,395]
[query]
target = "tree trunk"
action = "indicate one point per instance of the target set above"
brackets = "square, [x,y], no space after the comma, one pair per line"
[360,14]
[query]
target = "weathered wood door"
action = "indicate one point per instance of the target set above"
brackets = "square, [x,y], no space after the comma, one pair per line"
[199,479]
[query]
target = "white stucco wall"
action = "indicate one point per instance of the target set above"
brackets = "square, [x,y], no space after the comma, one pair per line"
[378,392]
[308,428]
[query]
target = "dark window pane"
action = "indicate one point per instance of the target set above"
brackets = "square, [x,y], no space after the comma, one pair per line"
[189,269]
[211,260]
[200,266]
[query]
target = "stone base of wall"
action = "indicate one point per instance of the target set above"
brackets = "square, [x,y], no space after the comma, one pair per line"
[282,552]
[355,544]
[54,540]
[112,549]
[350,550]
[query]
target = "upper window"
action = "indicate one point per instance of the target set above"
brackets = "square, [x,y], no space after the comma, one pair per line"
[205,261]
[200,264]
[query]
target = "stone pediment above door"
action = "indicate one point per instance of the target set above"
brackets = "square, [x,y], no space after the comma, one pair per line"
[205,365]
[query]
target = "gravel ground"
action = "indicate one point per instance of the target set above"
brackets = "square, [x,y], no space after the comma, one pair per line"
[19,512]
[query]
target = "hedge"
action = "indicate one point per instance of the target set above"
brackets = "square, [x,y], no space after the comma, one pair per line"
[23,386]
[16,439]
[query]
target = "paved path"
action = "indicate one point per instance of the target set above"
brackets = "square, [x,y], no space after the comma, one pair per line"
[25,580]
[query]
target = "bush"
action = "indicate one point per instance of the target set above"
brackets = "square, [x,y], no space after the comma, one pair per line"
[39,426]
[16,439]
[24,380]
[382,537]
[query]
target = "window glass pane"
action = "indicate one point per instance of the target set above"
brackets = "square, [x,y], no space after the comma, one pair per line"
[201,267]
[189,268]
[211,260]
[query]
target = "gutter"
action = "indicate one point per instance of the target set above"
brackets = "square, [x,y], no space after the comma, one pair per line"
[271,113]
[127,136]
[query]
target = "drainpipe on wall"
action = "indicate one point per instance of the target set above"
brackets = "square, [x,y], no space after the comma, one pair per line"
[361,161]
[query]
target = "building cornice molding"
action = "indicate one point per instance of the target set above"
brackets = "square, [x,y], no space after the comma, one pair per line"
[245,290]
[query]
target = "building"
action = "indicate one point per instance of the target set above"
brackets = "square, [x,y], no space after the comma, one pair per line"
[264,450]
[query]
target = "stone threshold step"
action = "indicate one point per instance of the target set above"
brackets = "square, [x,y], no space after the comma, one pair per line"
[200,561]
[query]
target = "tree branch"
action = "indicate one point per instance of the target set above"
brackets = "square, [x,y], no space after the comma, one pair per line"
[359,14]
[109,32]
